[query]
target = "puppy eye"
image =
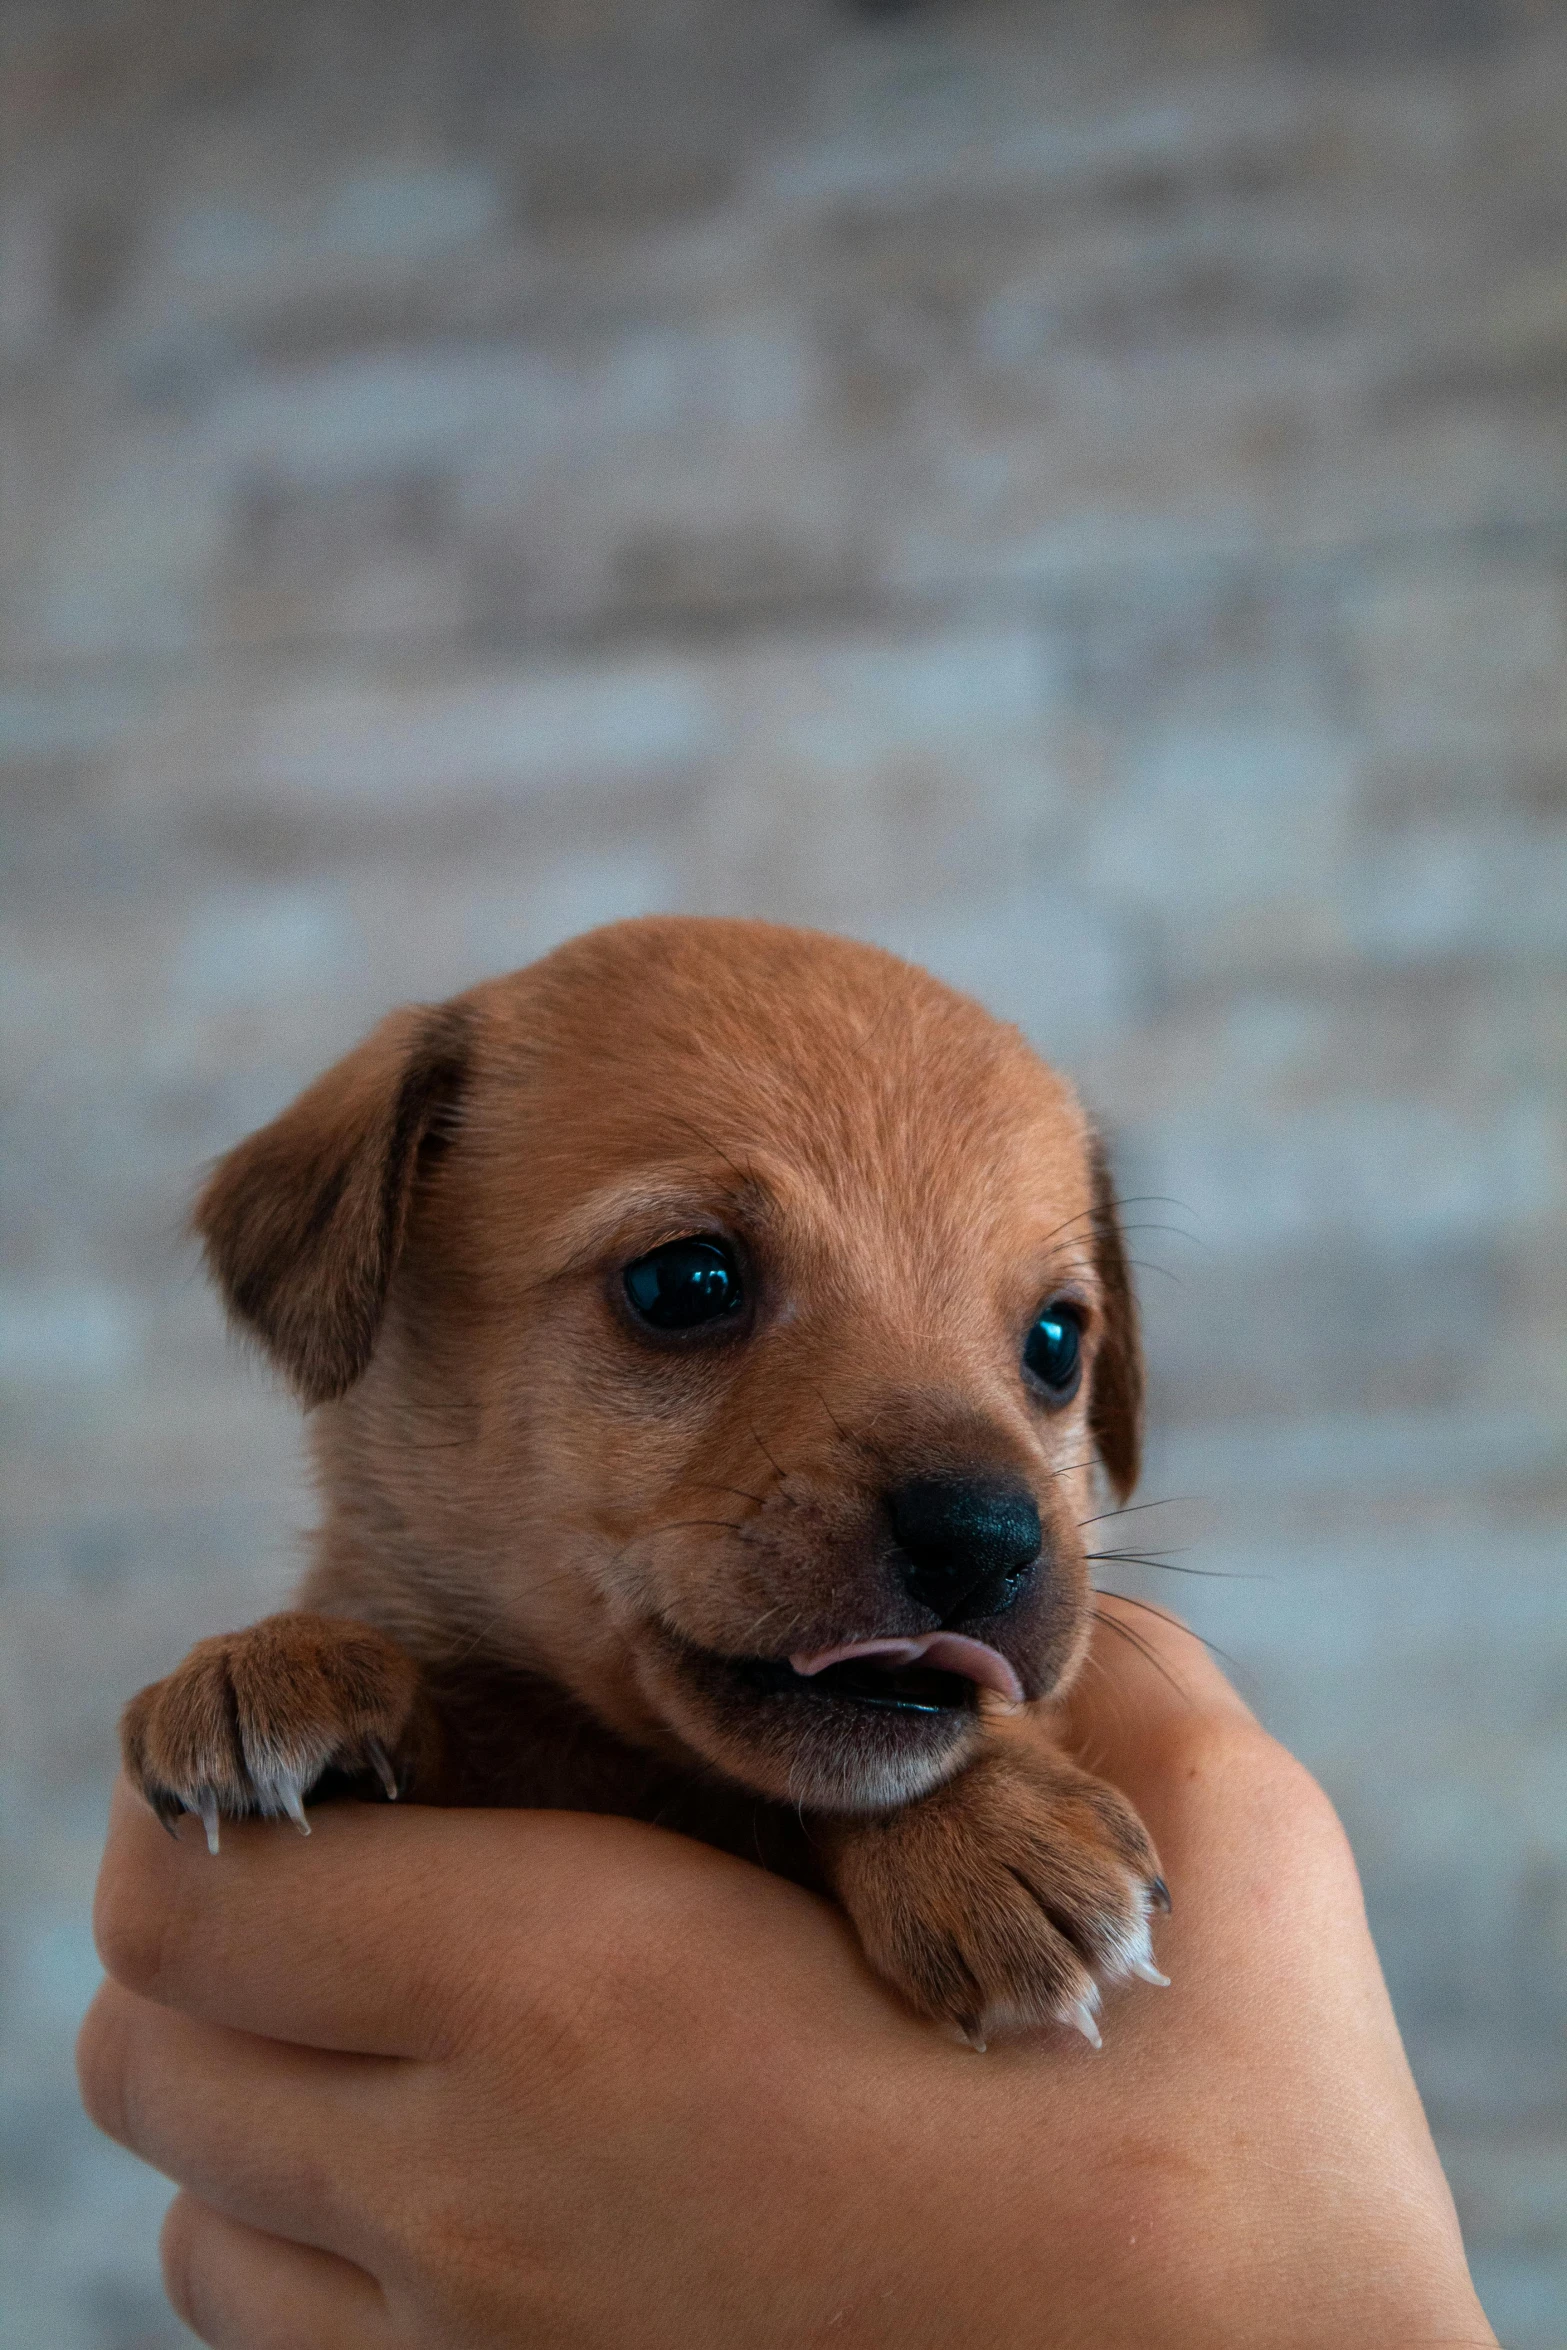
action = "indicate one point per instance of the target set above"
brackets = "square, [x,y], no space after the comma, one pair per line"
[684,1284]
[1053,1352]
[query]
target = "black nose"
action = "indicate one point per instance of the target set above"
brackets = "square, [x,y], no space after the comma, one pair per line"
[970,1544]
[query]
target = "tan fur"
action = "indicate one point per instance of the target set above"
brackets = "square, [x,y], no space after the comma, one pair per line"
[549,1517]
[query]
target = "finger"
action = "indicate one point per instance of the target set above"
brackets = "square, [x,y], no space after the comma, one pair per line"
[237,2289]
[390,1931]
[271,2135]
[272,1935]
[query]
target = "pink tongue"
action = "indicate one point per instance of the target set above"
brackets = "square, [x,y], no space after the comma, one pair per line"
[948,1652]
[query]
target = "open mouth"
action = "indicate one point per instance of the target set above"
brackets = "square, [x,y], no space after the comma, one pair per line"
[852,1728]
[905,1689]
[942,1672]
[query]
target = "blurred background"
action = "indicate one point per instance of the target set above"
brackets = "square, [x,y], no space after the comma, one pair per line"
[1075,491]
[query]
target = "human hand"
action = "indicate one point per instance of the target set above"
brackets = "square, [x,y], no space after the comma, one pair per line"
[481,2078]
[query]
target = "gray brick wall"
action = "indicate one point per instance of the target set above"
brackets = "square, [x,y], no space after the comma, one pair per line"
[1079,494]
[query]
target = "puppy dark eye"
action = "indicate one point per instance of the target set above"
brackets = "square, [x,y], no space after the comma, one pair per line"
[684,1284]
[1053,1352]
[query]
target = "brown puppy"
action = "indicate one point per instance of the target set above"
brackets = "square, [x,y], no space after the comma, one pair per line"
[710,1333]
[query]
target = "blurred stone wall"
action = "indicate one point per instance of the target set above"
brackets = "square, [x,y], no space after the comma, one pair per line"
[1075,491]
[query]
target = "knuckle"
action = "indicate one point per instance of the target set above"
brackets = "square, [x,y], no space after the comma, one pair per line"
[1270,1787]
[129,1929]
[1298,1807]
[560,2027]
[558,2034]
[1210,1748]
[1317,1835]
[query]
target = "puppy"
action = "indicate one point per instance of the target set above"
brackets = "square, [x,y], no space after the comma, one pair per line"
[711,1336]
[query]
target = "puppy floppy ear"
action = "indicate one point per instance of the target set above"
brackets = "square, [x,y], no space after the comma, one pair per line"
[1115,1409]
[303,1223]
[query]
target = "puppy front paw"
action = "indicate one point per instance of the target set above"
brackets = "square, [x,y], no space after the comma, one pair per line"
[251,1720]
[1010,1897]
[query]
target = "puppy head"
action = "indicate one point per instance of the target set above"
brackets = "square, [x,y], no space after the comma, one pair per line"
[725,1320]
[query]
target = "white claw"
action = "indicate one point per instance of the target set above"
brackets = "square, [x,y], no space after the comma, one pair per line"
[1149,1973]
[295,1809]
[1082,2017]
[207,1805]
[383,1768]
